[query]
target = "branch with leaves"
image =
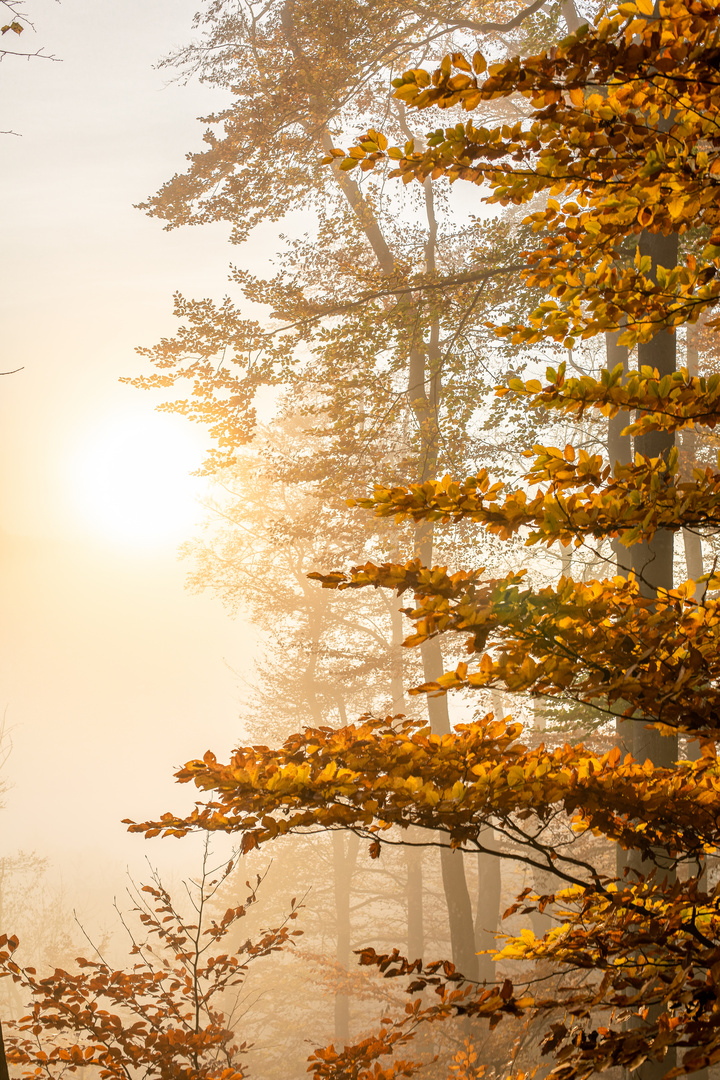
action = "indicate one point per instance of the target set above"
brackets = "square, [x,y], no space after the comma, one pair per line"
[165,1017]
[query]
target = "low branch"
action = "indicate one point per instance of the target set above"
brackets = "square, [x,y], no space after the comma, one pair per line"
[39,54]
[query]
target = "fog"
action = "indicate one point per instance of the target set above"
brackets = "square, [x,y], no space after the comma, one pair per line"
[154,607]
[111,674]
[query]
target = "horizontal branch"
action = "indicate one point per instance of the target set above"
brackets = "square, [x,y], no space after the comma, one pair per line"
[400,290]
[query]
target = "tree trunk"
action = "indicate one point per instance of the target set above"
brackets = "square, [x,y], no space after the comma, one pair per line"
[619,445]
[345,852]
[414,891]
[424,384]
[423,396]
[413,855]
[457,895]
[4,1074]
[397,682]
[691,539]
[619,453]
[570,15]
[487,911]
[653,560]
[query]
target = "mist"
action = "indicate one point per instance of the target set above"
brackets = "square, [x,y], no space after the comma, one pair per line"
[358,540]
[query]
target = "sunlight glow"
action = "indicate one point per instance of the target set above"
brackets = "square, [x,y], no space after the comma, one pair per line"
[130,478]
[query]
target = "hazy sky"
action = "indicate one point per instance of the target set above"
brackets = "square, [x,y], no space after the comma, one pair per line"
[110,673]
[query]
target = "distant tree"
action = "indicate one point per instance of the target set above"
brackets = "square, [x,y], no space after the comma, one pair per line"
[320,655]
[378,330]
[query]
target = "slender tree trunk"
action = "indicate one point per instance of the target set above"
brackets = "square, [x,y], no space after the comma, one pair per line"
[4,1074]
[487,910]
[691,539]
[397,682]
[695,569]
[424,389]
[309,675]
[413,855]
[619,453]
[653,560]
[415,913]
[619,445]
[457,895]
[345,852]
[570,15]
[653,564]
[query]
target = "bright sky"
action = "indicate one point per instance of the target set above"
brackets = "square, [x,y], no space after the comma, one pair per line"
[130,478]
[110,673]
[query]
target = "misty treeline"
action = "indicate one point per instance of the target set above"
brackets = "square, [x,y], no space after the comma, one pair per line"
[389,829]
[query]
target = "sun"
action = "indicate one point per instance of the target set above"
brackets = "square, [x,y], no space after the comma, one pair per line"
[130,478]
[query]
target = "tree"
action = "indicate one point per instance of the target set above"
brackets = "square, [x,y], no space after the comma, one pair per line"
[321,655]
[639,159]
[173,1014]
[388,381]
[18,23]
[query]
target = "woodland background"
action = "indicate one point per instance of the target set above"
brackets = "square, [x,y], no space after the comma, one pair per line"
[349,395]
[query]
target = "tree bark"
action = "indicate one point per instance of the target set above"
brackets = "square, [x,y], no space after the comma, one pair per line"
[487,910]
[691,539]
[457,895]
[415,913]
[619,445]
[4,1074]
[397,683]
[345,848]
[653,561]
[413,855]
[570,15]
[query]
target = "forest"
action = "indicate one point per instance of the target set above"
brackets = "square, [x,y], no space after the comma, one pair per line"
[462,488]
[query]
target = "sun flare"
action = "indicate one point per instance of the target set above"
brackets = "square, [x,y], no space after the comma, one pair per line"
[131,481]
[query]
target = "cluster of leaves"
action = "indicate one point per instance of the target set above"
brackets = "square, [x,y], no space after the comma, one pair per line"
[622,127]
[648,941]
[592,642]
[631,502]
[162,1018]
[675,402]
[377,774]
[641,940]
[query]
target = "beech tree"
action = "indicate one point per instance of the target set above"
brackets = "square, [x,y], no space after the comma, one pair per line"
[173,1013]
[623,129]
[321,656]
[379,328]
